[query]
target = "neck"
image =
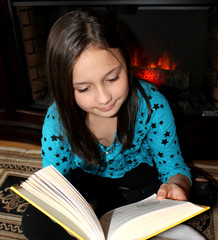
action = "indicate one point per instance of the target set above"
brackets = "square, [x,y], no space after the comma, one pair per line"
[103,129]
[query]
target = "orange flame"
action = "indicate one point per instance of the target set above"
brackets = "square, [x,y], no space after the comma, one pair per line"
[149,70]
[138,58]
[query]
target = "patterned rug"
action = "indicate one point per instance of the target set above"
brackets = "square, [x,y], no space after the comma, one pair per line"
[16,164]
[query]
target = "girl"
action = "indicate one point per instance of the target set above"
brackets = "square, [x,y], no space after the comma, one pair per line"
[111,134]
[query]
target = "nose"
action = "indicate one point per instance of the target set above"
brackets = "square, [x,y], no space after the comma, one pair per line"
[103,95]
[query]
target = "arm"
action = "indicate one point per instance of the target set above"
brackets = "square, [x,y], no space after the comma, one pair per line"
[163,142]
[177,188]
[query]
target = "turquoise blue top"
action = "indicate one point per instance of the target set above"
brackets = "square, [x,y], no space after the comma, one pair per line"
[154,143]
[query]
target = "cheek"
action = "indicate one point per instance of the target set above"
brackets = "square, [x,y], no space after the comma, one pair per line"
[82,101]
[123,89]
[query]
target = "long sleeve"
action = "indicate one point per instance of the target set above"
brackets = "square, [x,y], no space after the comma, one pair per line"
[162,139]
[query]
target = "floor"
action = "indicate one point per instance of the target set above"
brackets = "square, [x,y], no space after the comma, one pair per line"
[19,144]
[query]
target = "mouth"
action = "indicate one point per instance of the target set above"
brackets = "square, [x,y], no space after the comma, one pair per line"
[107,108]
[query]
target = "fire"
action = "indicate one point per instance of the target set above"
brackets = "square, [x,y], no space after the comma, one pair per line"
[155,72]
[164,62]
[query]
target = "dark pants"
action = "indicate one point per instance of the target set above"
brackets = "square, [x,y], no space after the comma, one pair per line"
[106,193]
[37,226]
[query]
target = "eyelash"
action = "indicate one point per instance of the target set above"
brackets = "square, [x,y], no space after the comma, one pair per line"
[110,80]
[83,90]
[113,79]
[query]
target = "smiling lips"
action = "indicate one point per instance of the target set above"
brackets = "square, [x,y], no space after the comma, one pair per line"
[107,108]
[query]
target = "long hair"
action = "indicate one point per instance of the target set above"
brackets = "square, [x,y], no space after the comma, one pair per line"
[68,38]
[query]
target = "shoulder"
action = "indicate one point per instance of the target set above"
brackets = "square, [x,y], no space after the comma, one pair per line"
[152,96]
[52,119]
[159,107]
[151,91]
[52,114]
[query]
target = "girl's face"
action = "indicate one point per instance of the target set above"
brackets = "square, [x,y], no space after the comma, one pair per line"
[100,82]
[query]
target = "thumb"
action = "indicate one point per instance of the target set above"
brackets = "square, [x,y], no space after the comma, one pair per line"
[162,192]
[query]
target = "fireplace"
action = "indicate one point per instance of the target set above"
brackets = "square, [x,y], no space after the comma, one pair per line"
[167,42]
[172,43]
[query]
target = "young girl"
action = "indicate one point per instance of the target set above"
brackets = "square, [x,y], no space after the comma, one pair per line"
[112,135]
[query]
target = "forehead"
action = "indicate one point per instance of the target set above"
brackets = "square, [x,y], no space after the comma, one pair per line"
[95,61]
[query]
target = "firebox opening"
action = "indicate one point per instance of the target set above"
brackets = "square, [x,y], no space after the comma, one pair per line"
[170,40]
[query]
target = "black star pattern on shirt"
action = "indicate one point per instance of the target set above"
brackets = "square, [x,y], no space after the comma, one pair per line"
[156,106]
[64,159]
[161,122]
[160,154]
[153,125]
[164,142]
[167,134]
[130,161]
[54,138]
[57,155]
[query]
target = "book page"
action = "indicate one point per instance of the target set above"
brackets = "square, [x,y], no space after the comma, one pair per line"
[76,203]
[51,187]
[58,216]
[58,182]
[147,217]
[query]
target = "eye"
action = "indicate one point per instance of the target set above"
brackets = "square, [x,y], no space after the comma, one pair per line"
[83,90]
[113,79]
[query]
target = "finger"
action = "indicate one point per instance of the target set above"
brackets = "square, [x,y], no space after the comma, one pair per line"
[162,192]
[178,194]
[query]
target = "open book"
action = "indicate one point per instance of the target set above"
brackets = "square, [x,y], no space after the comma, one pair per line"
[55,196]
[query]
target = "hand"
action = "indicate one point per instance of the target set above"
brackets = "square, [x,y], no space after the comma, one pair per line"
[177,188]
[171,191]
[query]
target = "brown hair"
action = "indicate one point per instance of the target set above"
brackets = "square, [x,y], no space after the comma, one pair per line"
[68,38]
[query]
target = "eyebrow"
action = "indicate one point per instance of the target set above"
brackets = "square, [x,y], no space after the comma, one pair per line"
[108,73]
